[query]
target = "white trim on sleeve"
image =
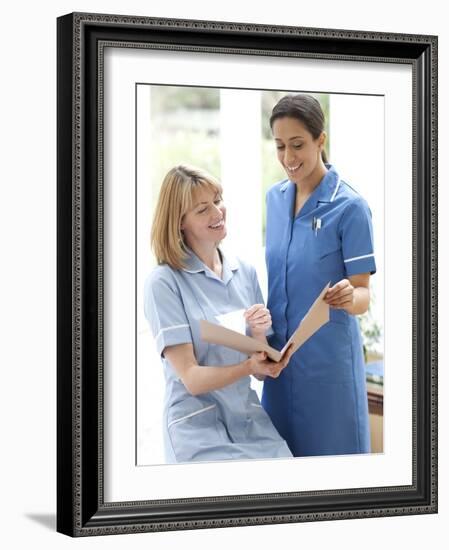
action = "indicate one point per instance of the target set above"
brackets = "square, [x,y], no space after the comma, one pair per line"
[170,328]
[358,258]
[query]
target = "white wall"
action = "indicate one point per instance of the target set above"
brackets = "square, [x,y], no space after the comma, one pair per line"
[357,142]
[27,275]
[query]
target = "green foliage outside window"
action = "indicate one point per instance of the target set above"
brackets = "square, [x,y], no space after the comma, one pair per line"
[185,129]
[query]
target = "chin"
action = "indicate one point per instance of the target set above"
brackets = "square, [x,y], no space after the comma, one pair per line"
[220,237]
[221,234]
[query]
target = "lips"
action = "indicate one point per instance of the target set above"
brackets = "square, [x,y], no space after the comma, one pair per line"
[217,225]
[293,169]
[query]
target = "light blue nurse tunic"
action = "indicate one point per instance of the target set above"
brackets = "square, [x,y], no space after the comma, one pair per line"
[319,402]
[228,423]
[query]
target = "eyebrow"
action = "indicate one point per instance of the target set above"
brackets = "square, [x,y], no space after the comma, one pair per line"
[205,202]
[290,139]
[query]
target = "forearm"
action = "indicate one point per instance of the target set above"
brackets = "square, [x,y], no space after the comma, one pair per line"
[200,379]
[260,335]
[361,300]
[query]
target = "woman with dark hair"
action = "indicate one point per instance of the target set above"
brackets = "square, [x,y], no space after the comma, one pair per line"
[318,230]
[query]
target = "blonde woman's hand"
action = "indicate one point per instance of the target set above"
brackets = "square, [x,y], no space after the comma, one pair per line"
[259,319]
[260,366]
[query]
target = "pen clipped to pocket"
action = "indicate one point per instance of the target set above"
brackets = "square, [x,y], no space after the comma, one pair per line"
[316,225]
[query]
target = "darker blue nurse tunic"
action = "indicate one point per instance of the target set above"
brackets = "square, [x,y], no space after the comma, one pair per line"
[319,402]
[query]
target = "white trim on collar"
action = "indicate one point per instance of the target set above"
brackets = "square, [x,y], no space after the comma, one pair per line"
[335,190]
[191,271]
[284,186]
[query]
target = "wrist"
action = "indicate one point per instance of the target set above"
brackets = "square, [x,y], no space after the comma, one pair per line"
[248,366]
[360,302]
[259,334]
[350,309]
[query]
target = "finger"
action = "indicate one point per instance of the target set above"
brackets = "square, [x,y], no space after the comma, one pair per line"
[341,306]
[282,363]
[262,319]
[259,314]
[279,368]
[289,350]
[253,308]
[277,371]
[262,324]
[344,290]
[274,372]
[248,312]
[342,300]
[288,354]
[341,294]
[338,286]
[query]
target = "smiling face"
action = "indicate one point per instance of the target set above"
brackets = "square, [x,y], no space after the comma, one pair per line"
[297,150]
[205,222]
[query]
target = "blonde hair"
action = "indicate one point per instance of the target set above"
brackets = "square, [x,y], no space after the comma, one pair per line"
[176,197]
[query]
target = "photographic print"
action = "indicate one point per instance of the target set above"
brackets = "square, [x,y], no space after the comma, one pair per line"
[195,127]
[280,184]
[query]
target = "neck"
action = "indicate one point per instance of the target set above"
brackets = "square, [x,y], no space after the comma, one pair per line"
[307,186]
[208,254]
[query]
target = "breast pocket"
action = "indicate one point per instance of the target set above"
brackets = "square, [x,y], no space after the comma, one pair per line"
[328,255]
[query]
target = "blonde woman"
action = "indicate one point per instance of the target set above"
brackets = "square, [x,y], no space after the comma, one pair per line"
[211,412]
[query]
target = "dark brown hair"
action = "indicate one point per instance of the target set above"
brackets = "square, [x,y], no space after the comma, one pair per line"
[304,108]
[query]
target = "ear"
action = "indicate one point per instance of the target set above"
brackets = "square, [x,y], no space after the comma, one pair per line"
[322,139]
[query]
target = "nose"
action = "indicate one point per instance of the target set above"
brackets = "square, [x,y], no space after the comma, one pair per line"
[289,157]
[218,210]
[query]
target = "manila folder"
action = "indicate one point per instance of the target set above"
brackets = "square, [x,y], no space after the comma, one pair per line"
[314,319]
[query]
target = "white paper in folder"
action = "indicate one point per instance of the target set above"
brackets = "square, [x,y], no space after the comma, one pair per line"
[234,320]
[314,319]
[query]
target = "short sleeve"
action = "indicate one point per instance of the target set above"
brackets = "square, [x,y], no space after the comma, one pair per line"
[356,232]
[164,311]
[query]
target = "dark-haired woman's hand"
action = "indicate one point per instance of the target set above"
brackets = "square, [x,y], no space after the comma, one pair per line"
[351,294]
[341,295]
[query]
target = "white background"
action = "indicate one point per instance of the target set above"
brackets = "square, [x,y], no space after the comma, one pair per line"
[125,482]
[28,281]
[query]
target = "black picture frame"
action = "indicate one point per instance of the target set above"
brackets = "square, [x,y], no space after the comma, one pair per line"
[81,510]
